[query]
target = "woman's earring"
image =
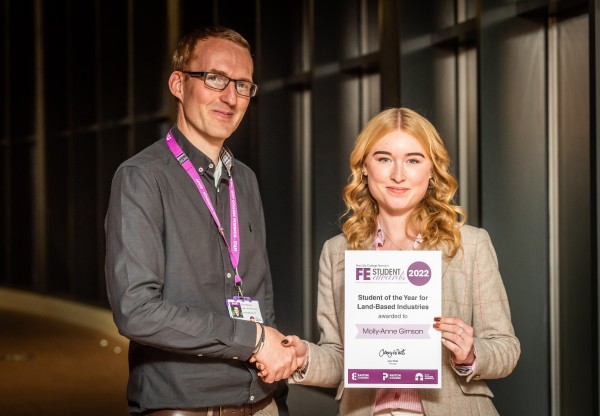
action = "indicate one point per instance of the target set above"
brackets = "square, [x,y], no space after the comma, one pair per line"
[432,182]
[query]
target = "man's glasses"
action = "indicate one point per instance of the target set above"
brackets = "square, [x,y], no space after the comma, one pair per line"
[220,82]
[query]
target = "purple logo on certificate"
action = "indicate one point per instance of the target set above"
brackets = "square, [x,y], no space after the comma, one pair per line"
[419,273]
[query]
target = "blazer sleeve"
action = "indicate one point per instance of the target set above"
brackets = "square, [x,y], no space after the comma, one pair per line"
[497,349]
[326,359]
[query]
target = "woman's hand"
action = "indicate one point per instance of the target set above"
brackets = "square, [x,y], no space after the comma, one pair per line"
[457,336]
[291,341]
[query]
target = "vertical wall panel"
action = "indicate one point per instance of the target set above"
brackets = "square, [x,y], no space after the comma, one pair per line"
[334,134]
[280,187]
[336,117]
[83,247]
[21,82]
[279,147]
[595,156]
[82,67]
[4,155]
[514,196]
[112,65]
[576,322]
[149,55]
[57,212]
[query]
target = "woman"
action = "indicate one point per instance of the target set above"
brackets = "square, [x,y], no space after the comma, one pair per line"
[400,196]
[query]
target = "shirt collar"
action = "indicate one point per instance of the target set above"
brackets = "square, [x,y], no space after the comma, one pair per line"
[201,162]
[379,239]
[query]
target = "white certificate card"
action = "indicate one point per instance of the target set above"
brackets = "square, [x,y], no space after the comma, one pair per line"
[391,300]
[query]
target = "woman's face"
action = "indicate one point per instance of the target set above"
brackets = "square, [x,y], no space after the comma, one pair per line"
[398,172]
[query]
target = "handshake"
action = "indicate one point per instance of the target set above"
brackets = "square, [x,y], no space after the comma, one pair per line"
[278,356]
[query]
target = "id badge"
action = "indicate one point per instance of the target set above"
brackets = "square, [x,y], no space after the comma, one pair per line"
[244,308]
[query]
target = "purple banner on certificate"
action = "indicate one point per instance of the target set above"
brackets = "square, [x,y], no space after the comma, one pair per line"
[413,376]
[393,331]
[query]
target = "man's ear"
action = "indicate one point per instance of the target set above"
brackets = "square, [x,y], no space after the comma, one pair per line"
[176,84]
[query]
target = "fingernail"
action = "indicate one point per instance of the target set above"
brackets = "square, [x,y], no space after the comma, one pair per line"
[284,341]
[437,319]
[436,326]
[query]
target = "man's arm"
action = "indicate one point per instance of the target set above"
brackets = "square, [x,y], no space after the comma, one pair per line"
[135,276]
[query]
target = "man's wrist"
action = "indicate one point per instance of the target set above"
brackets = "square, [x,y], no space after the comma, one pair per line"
[261,340]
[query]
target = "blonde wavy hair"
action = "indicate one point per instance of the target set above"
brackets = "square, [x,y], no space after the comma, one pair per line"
[436,217]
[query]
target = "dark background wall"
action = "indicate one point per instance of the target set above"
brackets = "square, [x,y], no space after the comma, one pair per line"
[511,85]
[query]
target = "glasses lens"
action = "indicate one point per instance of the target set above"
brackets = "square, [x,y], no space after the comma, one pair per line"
[244,88]
[219,82]
[216,81]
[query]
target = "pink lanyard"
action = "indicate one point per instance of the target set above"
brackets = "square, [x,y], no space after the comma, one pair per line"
[234,248]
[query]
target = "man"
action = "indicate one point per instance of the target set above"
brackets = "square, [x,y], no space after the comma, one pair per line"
[185,239]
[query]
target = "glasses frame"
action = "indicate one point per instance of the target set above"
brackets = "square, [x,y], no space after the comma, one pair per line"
[204,74]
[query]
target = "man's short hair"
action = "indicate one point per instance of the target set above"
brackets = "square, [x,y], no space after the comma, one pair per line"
[184,53]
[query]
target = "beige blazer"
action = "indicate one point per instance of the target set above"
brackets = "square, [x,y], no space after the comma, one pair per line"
[472,290]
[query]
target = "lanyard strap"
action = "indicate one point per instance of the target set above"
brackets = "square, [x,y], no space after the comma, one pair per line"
[234,248]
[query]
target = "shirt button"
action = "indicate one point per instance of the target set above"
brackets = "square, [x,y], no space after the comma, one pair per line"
[229,275]
[211,166]
[199,355]
[251,398]
[235,358]
[200,170]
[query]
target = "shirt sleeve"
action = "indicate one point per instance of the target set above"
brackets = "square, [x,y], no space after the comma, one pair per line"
[135,276]
[463,370]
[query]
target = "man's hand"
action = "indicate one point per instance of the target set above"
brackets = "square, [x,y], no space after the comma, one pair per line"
[274,360]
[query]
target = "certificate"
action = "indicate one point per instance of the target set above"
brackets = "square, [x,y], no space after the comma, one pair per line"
[391,298]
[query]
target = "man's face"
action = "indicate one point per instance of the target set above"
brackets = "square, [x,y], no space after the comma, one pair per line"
[205,113]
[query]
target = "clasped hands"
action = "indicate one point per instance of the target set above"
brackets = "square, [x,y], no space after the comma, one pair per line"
[280,355]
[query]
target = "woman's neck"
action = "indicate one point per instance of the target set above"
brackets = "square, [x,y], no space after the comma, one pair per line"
[396,232]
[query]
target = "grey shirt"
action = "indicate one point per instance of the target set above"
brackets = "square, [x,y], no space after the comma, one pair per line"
[168,275]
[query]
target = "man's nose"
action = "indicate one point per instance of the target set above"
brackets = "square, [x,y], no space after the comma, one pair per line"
[229,94]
